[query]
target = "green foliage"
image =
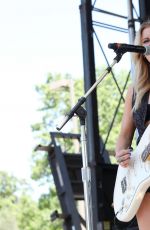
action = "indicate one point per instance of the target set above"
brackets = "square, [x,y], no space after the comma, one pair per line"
[40,166]
[54,104]
[8,185]
[56,101]
[8,220]
[30,218]
[18,211]
[55,96]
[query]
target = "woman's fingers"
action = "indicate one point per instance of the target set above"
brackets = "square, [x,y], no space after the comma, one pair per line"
[123,157]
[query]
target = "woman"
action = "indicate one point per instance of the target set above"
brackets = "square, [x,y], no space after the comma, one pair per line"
[137,115]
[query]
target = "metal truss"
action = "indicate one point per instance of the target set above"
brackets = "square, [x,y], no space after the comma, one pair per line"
[131,19]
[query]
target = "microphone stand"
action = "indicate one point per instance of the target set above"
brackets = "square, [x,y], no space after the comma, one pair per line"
[86,171]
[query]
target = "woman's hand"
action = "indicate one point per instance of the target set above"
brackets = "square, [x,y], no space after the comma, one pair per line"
[123,157]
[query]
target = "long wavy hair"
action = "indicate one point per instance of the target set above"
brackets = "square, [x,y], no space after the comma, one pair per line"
[142,69]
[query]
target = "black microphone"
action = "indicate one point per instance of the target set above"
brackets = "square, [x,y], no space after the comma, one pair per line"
[121,47]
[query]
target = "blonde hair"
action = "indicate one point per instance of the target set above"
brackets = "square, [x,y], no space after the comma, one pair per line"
[142,71]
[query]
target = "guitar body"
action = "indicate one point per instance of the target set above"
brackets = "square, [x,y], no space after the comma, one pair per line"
[132,182]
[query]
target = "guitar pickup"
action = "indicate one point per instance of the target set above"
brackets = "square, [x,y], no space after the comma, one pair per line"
[124,185]
[146,153]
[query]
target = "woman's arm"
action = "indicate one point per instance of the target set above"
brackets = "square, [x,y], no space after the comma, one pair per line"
[126,133]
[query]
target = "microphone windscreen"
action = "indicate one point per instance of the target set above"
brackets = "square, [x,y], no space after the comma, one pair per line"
[147,52]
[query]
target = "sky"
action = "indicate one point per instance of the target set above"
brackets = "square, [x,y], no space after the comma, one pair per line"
[38,37]
[35,39]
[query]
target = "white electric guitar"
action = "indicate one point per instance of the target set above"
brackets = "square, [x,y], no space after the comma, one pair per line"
[132,182]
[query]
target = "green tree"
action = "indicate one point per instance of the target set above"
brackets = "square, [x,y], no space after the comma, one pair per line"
[55,99]
[55,103]
[18,210]
[9,186]
[8,219]
[30,216]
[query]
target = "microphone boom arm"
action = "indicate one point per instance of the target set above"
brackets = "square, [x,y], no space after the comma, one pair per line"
[83,98]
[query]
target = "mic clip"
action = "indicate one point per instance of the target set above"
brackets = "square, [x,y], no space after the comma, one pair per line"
[119,51]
